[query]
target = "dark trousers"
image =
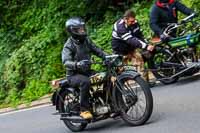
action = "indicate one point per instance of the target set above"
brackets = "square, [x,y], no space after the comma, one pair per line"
[121,47]
[83,83]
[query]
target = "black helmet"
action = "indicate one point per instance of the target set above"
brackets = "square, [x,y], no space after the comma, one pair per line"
[76,27]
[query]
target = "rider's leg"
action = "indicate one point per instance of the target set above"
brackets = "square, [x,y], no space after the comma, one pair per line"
[83,82]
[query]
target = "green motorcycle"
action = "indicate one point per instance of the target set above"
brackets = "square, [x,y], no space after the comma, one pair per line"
[179,56]
[119,91]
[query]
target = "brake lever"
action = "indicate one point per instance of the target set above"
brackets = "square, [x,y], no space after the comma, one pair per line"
[173,26]
[168,29]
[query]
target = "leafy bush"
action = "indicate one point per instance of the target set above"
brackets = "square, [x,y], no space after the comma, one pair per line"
[34,90]
[32,36]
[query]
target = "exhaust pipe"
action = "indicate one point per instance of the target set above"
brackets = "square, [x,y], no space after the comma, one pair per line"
[74,119]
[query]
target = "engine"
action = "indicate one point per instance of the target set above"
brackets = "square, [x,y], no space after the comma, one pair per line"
[102,110]
[99,106]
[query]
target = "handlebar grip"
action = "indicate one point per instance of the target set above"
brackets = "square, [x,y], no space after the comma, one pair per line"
[189,17]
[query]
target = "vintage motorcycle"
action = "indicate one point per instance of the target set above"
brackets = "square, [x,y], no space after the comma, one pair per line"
[119,91]
[177,57]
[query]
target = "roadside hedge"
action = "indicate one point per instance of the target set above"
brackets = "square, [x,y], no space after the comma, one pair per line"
[32,35]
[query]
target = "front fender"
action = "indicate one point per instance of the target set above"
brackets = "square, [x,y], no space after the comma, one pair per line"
[128,73]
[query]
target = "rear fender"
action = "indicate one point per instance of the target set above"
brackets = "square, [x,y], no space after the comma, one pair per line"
[56,97]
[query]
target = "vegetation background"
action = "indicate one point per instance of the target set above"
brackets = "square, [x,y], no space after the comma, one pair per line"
[32,35]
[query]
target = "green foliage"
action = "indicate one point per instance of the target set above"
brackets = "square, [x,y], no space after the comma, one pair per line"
[142,11]
[13,97]
[35,90]
[32,36]
[194,4]
[101,34]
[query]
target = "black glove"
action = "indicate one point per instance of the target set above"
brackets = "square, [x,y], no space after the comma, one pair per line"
[164,38]
[83,65]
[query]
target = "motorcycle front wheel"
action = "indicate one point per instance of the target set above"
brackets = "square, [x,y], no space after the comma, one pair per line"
[134,100]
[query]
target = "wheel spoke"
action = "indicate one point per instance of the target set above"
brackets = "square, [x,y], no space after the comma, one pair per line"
[140,107]
[135,102]
[127,86]
[131,89]
[137,110]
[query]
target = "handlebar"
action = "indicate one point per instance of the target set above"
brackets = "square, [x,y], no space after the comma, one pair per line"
[188,18]
[108,58]
[113,56]
[172,26]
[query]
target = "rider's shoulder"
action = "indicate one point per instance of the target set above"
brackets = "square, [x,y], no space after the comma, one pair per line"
[69,43]
[155,8]
[120,25]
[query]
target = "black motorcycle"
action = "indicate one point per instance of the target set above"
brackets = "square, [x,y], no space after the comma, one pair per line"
[177,57]
[119,91]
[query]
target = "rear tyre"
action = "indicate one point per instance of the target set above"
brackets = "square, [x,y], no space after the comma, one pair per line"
[191,57]
[70,103]
[160,71]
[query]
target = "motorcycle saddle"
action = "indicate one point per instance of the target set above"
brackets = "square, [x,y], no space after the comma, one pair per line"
[63,82]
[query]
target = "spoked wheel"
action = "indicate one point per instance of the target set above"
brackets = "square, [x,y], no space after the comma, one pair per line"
[190,58]
[134,100]
[192,54]
[159,64]
[70,106]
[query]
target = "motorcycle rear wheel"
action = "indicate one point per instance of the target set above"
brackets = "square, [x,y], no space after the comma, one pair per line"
[162,73]
[67,104]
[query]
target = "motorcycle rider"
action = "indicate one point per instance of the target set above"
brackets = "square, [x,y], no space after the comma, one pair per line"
[127,37]
[164,12]
[75,55]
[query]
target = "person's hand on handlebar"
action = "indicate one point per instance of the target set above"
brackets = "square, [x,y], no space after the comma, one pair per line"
[147,52]
[150,47]
[164,37]
[83,65]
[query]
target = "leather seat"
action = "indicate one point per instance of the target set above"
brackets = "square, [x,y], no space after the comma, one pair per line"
[63,82]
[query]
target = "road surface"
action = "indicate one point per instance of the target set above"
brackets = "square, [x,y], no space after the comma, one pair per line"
[176,110]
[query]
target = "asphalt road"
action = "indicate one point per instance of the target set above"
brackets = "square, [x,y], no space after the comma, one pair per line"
[176,110]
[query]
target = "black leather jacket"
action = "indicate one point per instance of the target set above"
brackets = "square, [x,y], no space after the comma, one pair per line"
[75,51]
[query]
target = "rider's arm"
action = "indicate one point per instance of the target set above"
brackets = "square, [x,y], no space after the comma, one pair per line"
[154,20]
[95,50]
[182,8]
[67,57]
[134,41]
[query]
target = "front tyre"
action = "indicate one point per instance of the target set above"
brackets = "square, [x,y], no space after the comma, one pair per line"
[134,101]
